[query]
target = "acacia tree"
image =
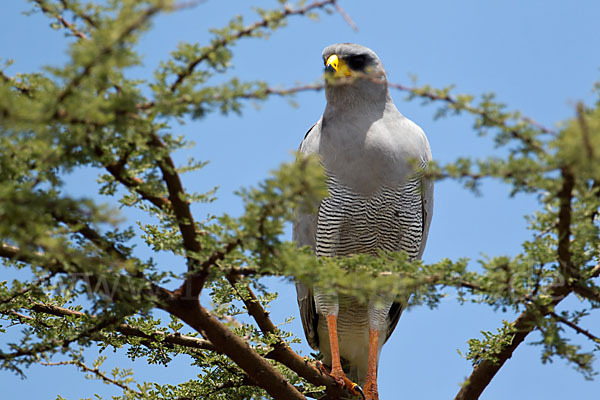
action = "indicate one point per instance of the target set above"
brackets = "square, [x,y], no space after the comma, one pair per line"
[88,286]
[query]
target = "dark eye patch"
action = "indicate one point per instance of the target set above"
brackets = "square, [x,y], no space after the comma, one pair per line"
[357,62]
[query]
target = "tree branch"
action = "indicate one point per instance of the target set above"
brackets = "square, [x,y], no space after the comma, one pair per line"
[194,282]
[245,32]
[54,343]
[281,351]
[103,51]
[11,81]
[428,94]
[291,360]
[418,92]
[96,372]
[582,290]
[181,207]
[78,13]
[96,283]
[565,196]
[70,26]
[346,17]
[485,371]
[28,288]
[117,170]
[90,234]
[575,327]
[176,199]
[257,367]
[128,330]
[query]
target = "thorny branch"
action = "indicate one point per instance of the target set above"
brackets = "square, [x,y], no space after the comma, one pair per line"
[245,32]
[78,13]
[565,196]
[12,82]
[62,342]
[118,171]
[194,282]
[181,207]
[96,372]
[151,290]
[575,327]
[587,293]
[70,26]
[33,286]
[413,91]
[129,330]
[90,234]
[281,351]
[473,110]
[104,51]
[346,17]
[257,367]
[525,323]
[485,371]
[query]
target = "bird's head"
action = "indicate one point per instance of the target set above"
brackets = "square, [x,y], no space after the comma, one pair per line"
[352,68]
[345,60]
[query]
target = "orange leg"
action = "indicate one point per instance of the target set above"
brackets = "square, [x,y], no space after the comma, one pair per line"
[337,372]
[336,366]
[371,382]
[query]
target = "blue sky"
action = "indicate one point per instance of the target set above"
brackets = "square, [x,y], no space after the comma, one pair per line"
[538,56]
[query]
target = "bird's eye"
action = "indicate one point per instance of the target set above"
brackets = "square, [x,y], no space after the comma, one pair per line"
[357,62]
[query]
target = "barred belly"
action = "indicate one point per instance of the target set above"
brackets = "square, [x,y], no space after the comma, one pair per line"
[390,219]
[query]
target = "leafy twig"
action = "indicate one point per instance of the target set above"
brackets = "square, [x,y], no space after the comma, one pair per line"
[257,367]
[525,323]
[575,327]
[97,373]
[70,26]
[244,32]
[281,351]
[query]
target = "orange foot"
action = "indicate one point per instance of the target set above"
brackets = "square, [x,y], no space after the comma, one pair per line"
[342,380]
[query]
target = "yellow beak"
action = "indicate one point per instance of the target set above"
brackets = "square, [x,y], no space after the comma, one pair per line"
[336,66]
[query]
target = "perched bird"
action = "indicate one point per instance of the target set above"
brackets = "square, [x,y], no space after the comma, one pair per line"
[378,200]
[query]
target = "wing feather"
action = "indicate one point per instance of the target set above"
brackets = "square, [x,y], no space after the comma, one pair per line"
[304,230]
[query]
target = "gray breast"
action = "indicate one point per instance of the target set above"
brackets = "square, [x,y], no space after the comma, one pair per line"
[390,219]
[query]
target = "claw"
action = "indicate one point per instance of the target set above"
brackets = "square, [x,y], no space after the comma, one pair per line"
[357,391]
[321,367]
[352,387]
[342,381]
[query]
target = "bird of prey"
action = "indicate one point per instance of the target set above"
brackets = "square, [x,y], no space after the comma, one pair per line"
[378,201]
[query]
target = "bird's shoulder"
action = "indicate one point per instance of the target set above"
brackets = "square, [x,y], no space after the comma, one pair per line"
[310,143]
[402,134]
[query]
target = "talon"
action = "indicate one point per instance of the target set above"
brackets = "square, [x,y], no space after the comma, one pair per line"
[321,367]
[357,391]
[353,388]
